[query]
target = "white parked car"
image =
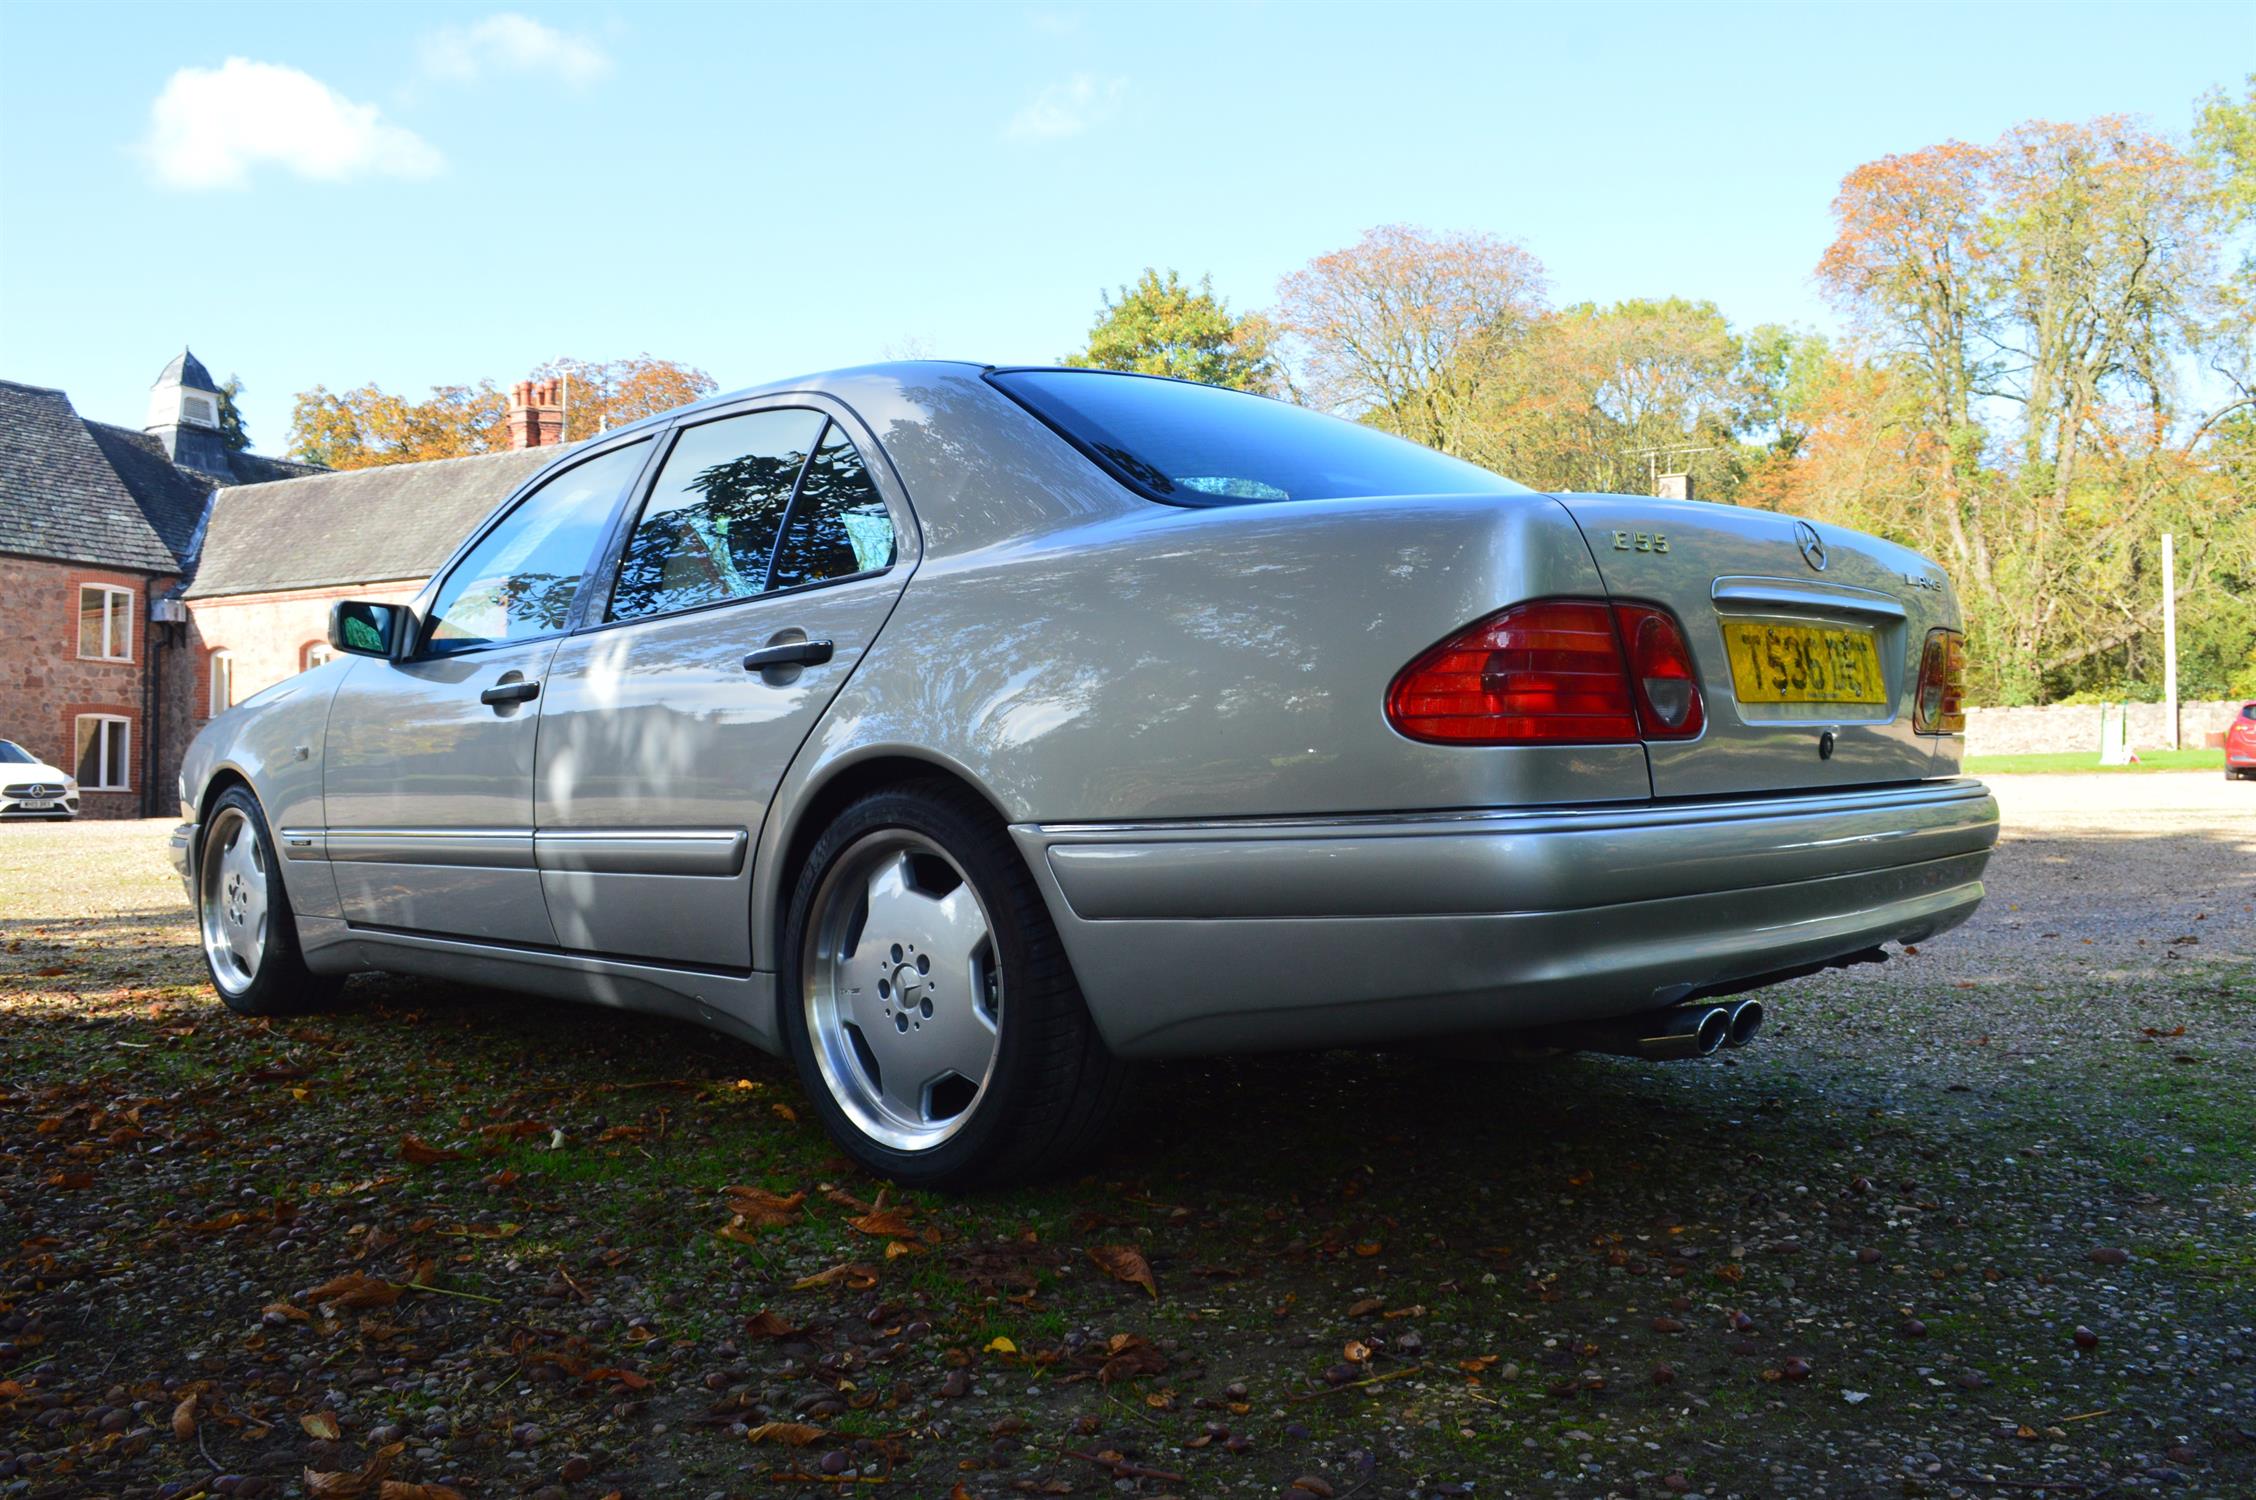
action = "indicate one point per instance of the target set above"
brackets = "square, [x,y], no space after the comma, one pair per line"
[31,788]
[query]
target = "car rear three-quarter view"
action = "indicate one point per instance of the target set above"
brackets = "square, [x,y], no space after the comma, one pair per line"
[968,734]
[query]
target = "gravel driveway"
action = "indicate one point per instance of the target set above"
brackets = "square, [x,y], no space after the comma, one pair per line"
[1980,1221]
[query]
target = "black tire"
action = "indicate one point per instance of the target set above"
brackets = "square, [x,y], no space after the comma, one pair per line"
[281,985]
[1054,1086]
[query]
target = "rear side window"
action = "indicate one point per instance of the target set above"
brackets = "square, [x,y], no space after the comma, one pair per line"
[709,528]
[839,526]
[1201,445]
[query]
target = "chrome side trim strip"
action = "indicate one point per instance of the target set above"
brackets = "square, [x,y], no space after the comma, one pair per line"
[304,843]
[642,851]
[481,848]
[1536,819]
[1846,598]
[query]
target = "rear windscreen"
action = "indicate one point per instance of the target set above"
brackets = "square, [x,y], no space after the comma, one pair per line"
[1203,445]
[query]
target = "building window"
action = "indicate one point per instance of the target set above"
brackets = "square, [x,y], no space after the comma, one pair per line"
[105,622]
[317,652]
[105,747]
[222,681]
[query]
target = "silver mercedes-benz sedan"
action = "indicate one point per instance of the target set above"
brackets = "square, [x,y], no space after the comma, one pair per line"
[967,734]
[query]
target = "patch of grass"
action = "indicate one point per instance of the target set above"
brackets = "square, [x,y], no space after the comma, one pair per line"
[2078,762]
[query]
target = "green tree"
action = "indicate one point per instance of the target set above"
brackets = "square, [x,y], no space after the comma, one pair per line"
[231,429]
[1167,326]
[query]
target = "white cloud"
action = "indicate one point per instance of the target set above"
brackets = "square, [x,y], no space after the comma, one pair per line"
[511,43]
[211,126]
[1068,108]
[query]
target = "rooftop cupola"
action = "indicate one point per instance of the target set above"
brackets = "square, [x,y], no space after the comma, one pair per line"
[184,415]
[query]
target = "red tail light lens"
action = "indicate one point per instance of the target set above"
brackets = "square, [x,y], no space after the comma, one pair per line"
[1552,672]
[1660,673]
[1940,707]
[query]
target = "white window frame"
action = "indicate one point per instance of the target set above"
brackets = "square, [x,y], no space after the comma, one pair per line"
[316,653]
[117,620]
[106,726]
[222,668]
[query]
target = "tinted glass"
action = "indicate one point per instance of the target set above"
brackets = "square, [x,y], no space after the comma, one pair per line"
[709,527]
[518,582]
[839,526]
[13,754]
[1202,445]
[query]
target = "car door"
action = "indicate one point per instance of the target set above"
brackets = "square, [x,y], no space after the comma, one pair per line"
[427,776]
[770,547]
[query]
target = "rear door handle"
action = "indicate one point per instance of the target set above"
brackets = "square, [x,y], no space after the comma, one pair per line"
[789,654]
[511,692]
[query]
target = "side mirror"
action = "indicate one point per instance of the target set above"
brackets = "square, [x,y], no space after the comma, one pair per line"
[363,628]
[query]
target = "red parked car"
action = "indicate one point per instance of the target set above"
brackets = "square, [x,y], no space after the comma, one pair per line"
[2240,745]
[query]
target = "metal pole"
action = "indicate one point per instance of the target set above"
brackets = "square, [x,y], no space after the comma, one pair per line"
[2170,632]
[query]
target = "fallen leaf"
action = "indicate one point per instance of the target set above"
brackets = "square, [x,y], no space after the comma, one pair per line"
[1125,1263]
[761,1209]
[790,1434]
[321,1424]
[285,1310]
[355,1290]
[184,1419]
[886,1223]
[766,1325]
[1364,1307]
[396,1489]
[1001,1345]
[857,1277]
[418,1152]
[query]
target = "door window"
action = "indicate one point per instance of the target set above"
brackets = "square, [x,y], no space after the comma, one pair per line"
[708,531]
[517,583]
[839,525]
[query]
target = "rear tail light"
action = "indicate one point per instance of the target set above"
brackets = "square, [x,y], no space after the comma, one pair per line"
[1660,673]
[1940,707]
[1553,671]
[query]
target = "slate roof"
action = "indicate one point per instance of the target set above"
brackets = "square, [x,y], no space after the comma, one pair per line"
[187,370]
[62,496]
[395,522]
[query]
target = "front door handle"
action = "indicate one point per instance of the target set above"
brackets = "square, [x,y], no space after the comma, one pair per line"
[511,692]
[789,654]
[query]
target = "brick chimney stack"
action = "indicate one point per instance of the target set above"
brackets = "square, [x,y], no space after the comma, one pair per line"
[536,414]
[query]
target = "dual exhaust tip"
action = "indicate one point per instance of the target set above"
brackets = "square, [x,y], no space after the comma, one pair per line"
[1682,1031]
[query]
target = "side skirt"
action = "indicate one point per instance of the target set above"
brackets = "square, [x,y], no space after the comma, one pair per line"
[738,1005]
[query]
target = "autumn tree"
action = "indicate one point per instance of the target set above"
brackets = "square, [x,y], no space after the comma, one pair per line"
[367,426]
[2029,313]
[614,393]
[1406,329]
[1167,326]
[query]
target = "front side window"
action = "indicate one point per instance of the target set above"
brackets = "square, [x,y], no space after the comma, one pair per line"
[222,681]
[105,622]
[517,583]
[104,746]
[839,525]
[708,530]
[1202,445]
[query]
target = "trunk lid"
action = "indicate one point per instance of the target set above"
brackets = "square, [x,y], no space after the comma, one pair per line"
[1796,602]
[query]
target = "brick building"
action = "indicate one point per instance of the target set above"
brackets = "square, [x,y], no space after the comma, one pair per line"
[97,522]
[150,579]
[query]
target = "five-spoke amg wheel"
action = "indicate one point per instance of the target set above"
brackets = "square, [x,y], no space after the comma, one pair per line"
[927,1002]
[243,915]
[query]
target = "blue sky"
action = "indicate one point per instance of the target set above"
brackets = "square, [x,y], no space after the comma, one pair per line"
[431,194]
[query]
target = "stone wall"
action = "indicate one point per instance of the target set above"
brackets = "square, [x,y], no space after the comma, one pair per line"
[2075,727]
[45,685]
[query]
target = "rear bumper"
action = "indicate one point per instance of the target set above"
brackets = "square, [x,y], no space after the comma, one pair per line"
[1246,935]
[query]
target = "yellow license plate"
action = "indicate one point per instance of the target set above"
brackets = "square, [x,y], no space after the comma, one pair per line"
[1803,663]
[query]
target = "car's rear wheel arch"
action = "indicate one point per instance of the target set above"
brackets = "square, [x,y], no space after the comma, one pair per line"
[820,807]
